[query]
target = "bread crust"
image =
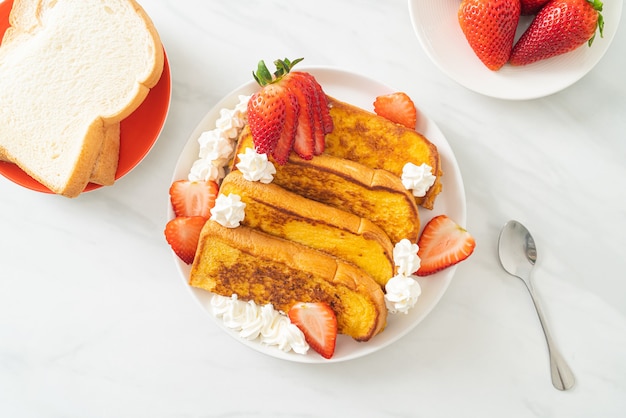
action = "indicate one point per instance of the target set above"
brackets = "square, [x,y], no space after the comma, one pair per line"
[105,167]
[378,143]
[266,269]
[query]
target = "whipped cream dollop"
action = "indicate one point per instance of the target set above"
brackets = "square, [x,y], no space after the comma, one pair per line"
[255,166]
[402,291]
[401,294]
[228,211]
[205,170]
[405,257]
[263,322]
[217,145]
[418,178]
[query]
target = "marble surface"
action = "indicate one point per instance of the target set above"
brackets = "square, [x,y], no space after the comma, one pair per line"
[95,322]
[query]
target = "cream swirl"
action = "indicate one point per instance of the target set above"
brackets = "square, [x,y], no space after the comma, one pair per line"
[231,121]
[255,166]
[228,211]
[215,145]
[401,293]
[418,178]
[259,322]
[204,170]
[405,257]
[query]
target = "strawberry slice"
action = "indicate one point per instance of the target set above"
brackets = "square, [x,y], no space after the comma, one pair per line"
[285,142]
[327,120]
[318,323]
[183,233]
[308,82]
[193,198]
[442,244]
[304,143]
[397,107]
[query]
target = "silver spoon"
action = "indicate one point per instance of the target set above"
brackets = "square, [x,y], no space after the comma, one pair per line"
[518,254]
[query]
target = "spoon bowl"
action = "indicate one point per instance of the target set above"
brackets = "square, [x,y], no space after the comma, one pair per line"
[518,254]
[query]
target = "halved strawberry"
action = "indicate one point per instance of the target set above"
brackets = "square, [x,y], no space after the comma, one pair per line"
[193,198]
[442,244]
[397,107]
[318,323]
[183,233]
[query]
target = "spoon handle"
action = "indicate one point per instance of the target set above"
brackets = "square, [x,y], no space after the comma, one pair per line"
[562,376]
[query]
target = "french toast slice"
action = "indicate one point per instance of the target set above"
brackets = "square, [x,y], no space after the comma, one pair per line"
[266,269]
[376,142]
[278,212]
[373,194]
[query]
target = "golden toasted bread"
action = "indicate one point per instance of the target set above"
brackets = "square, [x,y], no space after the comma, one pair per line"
[266,269]
[376,142]
[278,212]
[373,194]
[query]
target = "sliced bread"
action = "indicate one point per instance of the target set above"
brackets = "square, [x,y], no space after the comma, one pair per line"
[69,69]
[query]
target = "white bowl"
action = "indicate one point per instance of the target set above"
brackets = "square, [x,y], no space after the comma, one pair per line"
[436,25]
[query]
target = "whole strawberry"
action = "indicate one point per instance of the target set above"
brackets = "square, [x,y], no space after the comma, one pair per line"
[560,26]
[489,26]
[530,7]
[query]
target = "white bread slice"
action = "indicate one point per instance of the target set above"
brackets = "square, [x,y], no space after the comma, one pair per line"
[105,167]
[69,69]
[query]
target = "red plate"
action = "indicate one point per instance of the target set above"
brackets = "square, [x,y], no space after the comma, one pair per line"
[143,125]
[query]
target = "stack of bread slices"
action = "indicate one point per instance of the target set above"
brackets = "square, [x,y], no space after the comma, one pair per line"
[70,72]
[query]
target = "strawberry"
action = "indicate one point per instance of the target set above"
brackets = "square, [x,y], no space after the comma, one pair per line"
[327,120]
[560,26]
[318,323]
[183,233]
[193,198]
[289,112]
[397,107]
[530,7]
[266,117]
[489,26]
[442,244]
[288,135]
[322,121]
[304,143]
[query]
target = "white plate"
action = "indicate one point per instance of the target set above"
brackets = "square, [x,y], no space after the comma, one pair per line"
[360,91]
[436,24]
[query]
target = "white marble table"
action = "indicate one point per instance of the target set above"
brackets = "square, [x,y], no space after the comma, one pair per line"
[95,322]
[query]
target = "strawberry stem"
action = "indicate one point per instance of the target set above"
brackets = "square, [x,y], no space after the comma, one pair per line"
[263,75]
[597,5]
